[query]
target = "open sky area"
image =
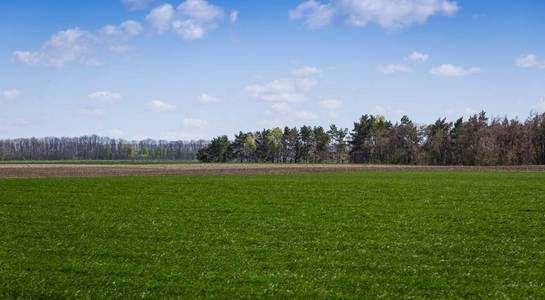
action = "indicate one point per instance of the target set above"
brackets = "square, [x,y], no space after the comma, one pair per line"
[195,69]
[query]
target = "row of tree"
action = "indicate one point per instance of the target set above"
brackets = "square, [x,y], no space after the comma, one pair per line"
[97,148]
[476,141]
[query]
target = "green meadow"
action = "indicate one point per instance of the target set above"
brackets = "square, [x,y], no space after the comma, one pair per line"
[330,235]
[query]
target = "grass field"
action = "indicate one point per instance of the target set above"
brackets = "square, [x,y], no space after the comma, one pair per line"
[420,234]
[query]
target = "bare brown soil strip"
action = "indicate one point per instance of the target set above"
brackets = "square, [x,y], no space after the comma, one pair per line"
[60,170]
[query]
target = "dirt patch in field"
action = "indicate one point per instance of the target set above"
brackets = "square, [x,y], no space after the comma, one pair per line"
[60,170]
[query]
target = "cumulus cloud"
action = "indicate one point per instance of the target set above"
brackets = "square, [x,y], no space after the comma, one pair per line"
[11,94]
[192,19]
[127,29]
[448,70]
[198,123]
[393,68]
[306,116]
[389,14]
[283,90]
[63,47]
[306,71]
[205,98]
[73,44]
[529,61]
[418,57]
[136,4]
[104,97]
[160,105]
[233,17]
[160,18]
[315,14]
[331,104]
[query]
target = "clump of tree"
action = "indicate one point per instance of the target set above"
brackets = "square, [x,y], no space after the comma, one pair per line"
[373,139]
[97,148]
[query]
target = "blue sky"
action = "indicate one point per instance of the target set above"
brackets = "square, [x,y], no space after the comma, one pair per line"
[197,69]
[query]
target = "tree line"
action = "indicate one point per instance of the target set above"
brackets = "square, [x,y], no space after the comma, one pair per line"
[373,139]
[97,148]
[475,141]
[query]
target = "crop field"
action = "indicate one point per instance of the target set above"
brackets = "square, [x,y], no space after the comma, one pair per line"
[102,169]
[325,235]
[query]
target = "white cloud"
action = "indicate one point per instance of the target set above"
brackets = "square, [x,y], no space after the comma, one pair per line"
[316,15]
[530,61]
[188,29]
[160,17]
[306,71]
[200,10]
[104,97]
[305,115]
[160,105]
[418,57]
[331,104]
[11,94]
[136,4]
[205,98]
[281,108]
[390,14]
[192,19]
[63,47]
[74,44]
[283,90]
[195,123]
[233,17]
[448,70]
[127,29]
[393,68]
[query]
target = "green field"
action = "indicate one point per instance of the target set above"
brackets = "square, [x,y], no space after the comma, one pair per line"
[346,235]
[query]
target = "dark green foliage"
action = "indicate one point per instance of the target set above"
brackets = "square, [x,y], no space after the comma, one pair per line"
[347,235]
[365,135]
[217,151]
[237,146]
[477,141]
[338,136]
[321,140]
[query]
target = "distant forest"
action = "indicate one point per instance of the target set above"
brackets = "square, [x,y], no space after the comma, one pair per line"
[373,139]
[97,148]
[476,141]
